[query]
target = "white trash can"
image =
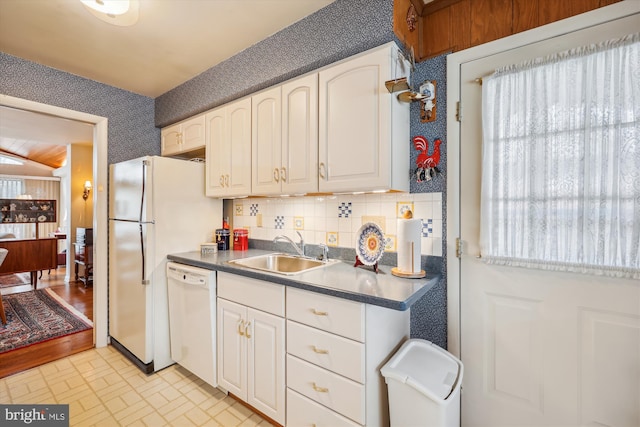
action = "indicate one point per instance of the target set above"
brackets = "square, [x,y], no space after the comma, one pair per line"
[423,382]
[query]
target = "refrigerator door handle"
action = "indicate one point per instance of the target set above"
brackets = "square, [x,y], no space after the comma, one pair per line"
[145,163]
[143,251]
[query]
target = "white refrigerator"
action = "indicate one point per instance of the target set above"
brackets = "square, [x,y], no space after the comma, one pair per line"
[157,206]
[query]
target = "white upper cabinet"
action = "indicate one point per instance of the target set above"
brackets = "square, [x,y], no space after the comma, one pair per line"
[228,150]
[266,142]
[285,138]
[363,129]
[183,137]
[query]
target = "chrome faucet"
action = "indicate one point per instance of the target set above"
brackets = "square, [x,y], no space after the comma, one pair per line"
[299,248]
[325,252]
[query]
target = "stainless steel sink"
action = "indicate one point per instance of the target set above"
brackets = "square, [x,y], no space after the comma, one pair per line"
[281,263]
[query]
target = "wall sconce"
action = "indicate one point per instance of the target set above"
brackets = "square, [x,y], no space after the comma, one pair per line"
[87,190]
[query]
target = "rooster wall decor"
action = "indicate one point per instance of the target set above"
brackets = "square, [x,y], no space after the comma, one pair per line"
[427,164]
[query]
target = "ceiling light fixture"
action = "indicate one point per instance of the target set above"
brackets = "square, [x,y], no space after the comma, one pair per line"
[108,7]
[122,13]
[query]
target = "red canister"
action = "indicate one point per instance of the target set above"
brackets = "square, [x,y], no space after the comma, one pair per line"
[240,239]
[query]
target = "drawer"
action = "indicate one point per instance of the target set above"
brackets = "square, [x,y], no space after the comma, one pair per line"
[335,353]
[305,412]
[336,392]
[254,293]
[331,314]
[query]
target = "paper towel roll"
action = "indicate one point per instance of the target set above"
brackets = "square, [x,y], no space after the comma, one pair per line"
[409,238]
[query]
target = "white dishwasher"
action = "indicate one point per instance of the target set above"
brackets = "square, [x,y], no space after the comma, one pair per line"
[192,319]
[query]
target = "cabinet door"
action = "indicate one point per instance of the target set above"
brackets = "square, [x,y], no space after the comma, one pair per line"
[299,170]
[170,137]
[266,370]
[355,121]
[266,142]
[239,138]
[232,348]
[218,152]
[193,134]
[228,150]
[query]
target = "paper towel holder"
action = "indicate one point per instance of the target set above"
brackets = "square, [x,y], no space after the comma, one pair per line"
[408,274]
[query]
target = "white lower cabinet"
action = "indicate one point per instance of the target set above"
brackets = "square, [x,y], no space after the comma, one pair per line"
[335,349]
[302,411]
[251,343]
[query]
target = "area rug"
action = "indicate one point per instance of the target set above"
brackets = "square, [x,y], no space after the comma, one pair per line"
[16,279]
[37,316]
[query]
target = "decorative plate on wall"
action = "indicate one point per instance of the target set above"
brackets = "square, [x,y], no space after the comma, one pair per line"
[369,243]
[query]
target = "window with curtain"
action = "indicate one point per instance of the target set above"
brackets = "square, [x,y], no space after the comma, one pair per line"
[561,161]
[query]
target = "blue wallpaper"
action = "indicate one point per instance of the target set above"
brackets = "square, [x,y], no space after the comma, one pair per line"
[131,117]
[429,314]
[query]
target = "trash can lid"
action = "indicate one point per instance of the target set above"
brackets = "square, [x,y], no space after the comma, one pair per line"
[426,367]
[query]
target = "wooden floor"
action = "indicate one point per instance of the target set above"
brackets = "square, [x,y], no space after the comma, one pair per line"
[75,294]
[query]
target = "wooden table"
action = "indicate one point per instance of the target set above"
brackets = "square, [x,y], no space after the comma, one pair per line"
[29,255]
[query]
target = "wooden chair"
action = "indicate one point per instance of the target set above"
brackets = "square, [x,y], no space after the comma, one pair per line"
[3,317]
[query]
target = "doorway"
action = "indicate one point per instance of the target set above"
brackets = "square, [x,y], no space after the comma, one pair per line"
[99,195]
[539,348]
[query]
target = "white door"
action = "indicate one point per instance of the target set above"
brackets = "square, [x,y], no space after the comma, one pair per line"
[266,142]
[170,140]
[354,117]
[232,348]
[130,301]
[218,153]
[300,135]
[239,138]
[266,384]
[192,134]
[540,348]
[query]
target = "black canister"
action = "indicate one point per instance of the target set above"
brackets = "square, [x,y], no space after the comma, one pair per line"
[222,238]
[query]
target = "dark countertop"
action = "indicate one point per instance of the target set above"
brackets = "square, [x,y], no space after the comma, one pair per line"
[340,279]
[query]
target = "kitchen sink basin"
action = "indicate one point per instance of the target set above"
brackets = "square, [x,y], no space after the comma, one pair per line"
[281,263]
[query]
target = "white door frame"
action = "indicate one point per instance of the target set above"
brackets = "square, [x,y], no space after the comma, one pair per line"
[100,310]
[454,63]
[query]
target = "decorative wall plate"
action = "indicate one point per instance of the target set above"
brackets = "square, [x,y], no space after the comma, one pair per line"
[370,243]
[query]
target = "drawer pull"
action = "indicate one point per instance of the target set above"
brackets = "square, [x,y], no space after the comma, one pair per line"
[319,350]
[319,313]
[320,389]
[246,330]
[240,329]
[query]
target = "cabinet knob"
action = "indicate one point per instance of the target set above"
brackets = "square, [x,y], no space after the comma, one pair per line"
[320,389]
[319,350]
[322,170]
[240,328]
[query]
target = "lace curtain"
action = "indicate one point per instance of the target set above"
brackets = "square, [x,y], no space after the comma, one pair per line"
[561,161]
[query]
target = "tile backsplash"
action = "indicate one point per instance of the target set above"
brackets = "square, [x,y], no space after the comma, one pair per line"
[335,220]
